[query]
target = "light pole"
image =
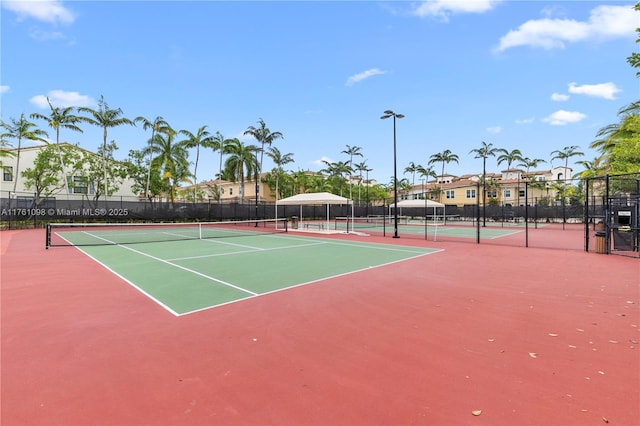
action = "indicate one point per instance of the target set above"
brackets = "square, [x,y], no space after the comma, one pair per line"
[388,113]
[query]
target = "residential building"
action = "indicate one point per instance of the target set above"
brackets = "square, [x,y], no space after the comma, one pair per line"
[508,188]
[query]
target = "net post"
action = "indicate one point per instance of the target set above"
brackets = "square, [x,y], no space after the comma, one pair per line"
[199,230]
[47,242]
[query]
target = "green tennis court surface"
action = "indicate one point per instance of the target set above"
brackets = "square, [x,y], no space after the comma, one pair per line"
[432,230]
[190,275]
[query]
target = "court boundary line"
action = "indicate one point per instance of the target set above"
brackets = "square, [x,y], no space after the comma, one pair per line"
[178,266]
[253,294]
[311,282]
[244,252]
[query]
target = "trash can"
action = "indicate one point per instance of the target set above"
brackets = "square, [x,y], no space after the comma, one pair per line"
[600,242]
[294,222]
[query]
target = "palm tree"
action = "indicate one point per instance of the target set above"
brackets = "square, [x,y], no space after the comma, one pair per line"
[265,137]
[104,117]
[337,170]
[511,157]
[159,125]
[219,143]
[443,157]
[60,118]
[564,154]
[171,159]
[528,163]
[351,151]
[201,138]
[279,160]
[21,129]
[241,158]
[361,167]
[485,151]
[413,169]
[426,173]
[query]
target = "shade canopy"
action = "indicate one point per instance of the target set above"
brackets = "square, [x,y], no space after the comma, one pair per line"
[417,203]
[314,198]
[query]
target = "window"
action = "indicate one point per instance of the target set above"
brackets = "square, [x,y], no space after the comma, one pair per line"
[471,193]
[507,193]
[79,185]
[7,173]
[230,191]
[492,194]
[521,193]
[450,194]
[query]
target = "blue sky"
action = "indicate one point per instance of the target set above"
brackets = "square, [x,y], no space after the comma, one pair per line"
[532,75]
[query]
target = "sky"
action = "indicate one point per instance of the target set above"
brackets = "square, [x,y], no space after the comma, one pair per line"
[530,75]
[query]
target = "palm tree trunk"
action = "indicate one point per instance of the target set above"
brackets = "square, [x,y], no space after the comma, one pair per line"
[195,174]
[64,173]
[16,174]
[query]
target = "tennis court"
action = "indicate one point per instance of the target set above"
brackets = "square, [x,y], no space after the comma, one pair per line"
[432,230]
[477,334]
[190,267]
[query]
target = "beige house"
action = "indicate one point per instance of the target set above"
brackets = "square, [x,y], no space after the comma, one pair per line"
[78,187]
[506,188]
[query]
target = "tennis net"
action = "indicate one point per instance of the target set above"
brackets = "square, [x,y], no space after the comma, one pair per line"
[94,234]
[365,222]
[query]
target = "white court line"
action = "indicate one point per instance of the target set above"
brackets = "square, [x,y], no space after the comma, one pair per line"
[246,251]
[177,266]
[375,246]
[311,282]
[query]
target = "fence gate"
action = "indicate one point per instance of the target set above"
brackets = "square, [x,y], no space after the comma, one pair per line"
[612,207]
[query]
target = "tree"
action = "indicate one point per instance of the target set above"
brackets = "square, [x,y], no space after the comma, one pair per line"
[241,162]
[201,138]
[264,136]
[279,160]
[511,157]
[4,153]
[362,167]
[21,129]
[336,171]
[634,58]
[412,168]
[219,144]
[171,160]
[444,157]
[60,118]
[528,163]
[564,154]
[105,118]
[45,177]
[159,125]
[486,150]
[351,151]
[90,171]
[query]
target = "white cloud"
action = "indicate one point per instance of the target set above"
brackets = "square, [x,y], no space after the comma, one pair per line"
[559,97]
[40,35]
[602,90]
[60,98]
[562,117]
[4,89]
[363,75]
[51,11]
[494,129]
[604,22]
[321,161]
[443,8]
[525,120]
